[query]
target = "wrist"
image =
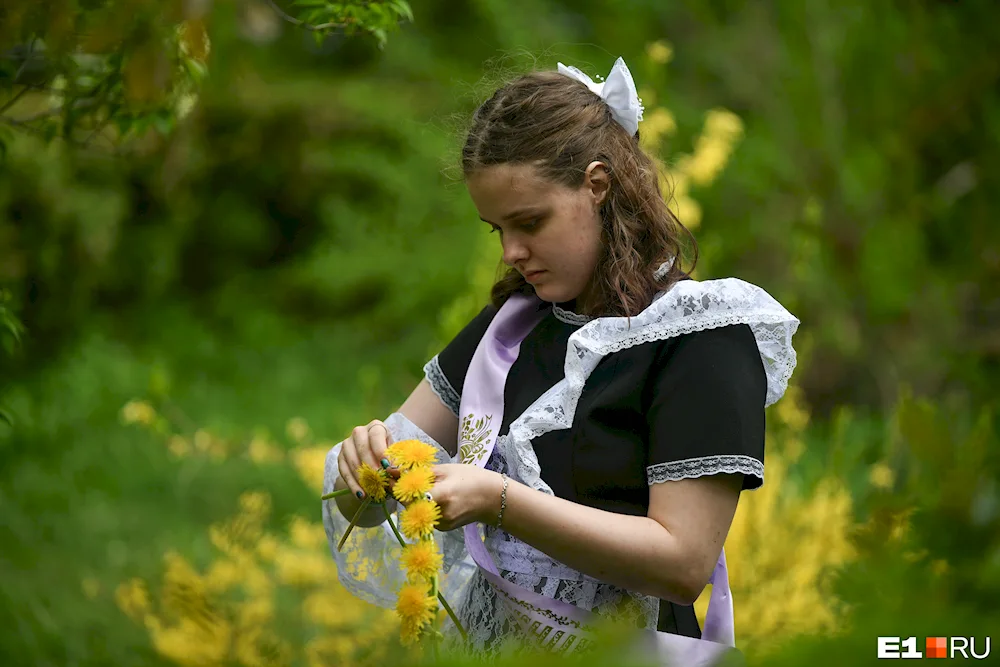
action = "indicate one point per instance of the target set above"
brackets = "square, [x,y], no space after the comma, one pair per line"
[490,508]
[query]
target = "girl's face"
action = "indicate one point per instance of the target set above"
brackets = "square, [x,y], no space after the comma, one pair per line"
[550,233]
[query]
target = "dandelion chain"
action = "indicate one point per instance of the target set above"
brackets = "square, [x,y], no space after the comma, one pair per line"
[417,600]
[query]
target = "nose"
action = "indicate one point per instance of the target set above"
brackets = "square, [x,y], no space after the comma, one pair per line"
[514,252]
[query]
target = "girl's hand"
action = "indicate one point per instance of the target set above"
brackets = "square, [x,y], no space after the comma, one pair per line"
[466,494]
[366,444]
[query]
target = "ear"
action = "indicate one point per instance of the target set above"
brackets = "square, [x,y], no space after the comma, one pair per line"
[597,180]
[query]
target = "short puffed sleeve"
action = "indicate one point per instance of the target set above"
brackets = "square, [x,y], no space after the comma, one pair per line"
[706,408]
[446,371]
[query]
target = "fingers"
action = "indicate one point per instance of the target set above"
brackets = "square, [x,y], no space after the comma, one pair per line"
[347,469]
[379,440]
[366,444]
[362,442]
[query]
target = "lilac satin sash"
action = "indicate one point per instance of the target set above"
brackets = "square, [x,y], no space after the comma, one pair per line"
[554,624]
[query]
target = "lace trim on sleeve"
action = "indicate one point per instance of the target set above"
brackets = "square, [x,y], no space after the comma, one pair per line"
[704,465]
[441,386]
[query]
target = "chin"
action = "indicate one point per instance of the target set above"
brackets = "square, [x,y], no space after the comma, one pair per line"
[553,294]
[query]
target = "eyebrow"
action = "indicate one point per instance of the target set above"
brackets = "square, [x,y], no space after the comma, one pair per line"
[517,213]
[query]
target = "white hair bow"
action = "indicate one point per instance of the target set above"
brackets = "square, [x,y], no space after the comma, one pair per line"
[617,90]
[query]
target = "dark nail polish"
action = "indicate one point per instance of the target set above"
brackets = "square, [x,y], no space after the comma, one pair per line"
[360,494]
[385,463]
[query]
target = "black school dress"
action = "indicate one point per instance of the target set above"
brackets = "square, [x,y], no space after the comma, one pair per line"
[684,407]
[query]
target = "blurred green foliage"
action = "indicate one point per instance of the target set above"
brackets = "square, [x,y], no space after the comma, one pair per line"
[271,227]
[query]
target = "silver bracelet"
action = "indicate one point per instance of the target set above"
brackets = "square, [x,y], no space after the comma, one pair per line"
[503,501]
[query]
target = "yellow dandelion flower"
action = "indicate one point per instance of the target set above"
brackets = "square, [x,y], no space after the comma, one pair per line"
[418,519]
[416,608]
[409,633]
[373,481]
[421,560]
[410,453]
[413,484]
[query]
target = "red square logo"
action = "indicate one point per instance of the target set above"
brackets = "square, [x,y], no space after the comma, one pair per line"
[936,647]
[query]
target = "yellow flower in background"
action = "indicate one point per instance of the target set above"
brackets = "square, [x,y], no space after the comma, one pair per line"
[138,412]
[409,453]
[192,641]
[712,150]
[660,52]
[256,504]
[723,124]
[421,560]
[307,535]
[304,568]
[309,461]
[132,598]
[416,609]
[261,451]
[656,125]
[418,519]
[206,443]
[791,410]
[202,440]
[267,548]
[413,484]
[881,476]
[373,481]
[223,575]
[688,211]
[297,429]
[179,446]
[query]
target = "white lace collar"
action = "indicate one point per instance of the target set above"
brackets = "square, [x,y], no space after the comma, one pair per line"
[569,317]
[688,306]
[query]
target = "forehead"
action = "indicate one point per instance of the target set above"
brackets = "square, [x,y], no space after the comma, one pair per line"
[498,189]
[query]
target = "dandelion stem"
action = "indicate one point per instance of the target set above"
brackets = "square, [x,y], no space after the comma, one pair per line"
[392,524]
[335,494]
[354,521]
[440,597]
[454,618]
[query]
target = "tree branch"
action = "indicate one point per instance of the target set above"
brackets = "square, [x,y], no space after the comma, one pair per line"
[31,51]
[13,100]
[302,24]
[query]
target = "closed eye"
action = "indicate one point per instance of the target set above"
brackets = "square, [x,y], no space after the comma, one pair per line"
[532,225]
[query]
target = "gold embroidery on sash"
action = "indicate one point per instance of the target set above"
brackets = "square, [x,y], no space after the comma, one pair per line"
[472,437]
[562,640]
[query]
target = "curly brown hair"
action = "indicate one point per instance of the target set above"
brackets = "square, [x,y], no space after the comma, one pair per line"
[560,126]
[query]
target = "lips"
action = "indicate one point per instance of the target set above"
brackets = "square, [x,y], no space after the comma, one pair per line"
[531,275]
